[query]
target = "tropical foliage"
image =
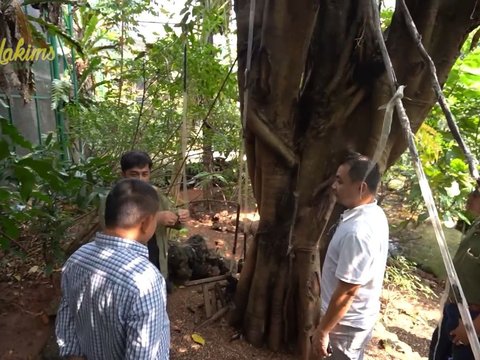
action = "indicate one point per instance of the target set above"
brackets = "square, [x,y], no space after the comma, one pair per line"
[120,91]
[41,196]
[443,161]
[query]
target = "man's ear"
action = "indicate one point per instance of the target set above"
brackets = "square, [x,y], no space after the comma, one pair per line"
[147,222]
[123,174]
[363,188]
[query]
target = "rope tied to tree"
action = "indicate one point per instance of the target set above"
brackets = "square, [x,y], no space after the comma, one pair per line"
[386,127]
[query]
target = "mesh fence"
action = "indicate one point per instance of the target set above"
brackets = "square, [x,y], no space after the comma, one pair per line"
[36,118]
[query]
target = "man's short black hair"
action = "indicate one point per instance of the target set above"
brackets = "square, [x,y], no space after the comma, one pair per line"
[359,166]
[135,158]
[129,202]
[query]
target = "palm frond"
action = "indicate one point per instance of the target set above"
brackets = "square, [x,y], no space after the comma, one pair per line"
[55,30]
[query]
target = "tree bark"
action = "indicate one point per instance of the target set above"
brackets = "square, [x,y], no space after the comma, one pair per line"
[316,82]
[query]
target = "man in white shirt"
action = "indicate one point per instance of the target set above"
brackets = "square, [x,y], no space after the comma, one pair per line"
[354,266]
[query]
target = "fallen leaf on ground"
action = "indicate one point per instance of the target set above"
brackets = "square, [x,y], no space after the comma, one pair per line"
[198,339]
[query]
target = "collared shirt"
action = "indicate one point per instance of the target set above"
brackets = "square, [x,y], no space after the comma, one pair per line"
[357,254]
[113,303]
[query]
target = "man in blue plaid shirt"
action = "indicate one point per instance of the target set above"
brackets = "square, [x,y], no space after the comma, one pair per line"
[113,298]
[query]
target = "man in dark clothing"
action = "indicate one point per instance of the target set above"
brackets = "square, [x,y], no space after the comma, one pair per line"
[450,340]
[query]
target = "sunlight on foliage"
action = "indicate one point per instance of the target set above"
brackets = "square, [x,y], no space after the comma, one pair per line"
[124,92]
[401,273]
[443,161]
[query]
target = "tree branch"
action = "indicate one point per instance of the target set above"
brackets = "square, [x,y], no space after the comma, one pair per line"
[472,162]
[142,103]
[258,126]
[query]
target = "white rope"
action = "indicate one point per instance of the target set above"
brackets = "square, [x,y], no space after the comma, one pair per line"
[246,95]
[240,177]
[427,194]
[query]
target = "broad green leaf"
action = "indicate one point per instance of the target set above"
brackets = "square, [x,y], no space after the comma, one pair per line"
[4,149]
[458,165]
[9,227]
[45,169]
[4,194]
[26,178]
[4,243]
[12,132]
[464,218]
[42,196]
[91,26]
[49,138]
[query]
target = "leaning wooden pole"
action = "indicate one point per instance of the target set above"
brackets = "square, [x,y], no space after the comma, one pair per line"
[184,134]
[412,29]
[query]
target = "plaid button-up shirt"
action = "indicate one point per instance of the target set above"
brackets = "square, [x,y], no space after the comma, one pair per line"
[113,303]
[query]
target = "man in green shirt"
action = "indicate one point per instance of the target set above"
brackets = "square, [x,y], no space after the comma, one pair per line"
[450,340]
[138,165]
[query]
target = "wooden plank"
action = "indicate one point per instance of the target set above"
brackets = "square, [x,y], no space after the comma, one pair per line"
[206,280]
[209,299]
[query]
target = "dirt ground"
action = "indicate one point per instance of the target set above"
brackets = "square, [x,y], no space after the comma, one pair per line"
[24,323]
[27,309]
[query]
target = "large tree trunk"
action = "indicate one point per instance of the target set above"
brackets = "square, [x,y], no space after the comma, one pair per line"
[315,85]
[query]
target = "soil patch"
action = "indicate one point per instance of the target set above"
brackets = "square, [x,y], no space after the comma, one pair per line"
[25,318]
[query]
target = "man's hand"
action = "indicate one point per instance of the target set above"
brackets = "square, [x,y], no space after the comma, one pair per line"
[337,308]
[183,215]
[459,335]
[320,343]
[167,218]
